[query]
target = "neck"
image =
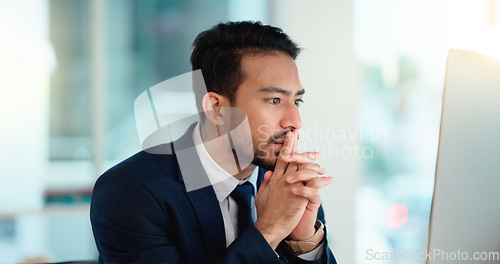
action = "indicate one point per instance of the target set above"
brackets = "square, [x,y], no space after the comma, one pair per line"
[221,148]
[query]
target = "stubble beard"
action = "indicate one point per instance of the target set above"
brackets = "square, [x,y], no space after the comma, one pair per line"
[264,159]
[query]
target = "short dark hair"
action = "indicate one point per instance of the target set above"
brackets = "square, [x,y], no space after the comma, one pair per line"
[218,53]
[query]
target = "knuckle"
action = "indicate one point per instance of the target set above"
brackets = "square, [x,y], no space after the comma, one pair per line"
[313,193]
[302,191]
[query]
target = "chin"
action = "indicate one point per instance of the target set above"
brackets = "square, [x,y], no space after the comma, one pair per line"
[264,161]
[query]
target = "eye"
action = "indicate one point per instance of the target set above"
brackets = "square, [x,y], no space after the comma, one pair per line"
[298,102]
[275,100]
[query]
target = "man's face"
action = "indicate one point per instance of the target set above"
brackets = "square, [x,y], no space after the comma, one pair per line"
[270,96]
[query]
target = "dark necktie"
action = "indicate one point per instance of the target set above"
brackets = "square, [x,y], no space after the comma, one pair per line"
[242,194]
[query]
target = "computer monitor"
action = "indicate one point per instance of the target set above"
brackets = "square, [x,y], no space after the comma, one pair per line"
[465,216]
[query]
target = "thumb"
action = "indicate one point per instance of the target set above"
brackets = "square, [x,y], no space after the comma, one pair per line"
[265,182]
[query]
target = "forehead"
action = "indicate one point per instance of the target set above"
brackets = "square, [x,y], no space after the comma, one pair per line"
[269,70]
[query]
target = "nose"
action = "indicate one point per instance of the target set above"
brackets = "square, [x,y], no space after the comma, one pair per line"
[291,118]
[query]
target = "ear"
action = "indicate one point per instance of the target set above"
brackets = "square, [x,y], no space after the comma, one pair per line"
[212,102]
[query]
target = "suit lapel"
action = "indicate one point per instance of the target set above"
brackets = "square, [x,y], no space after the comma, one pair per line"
[206,207]
[201,195]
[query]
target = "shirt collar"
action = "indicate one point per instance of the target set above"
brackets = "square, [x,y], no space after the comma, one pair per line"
[222,182]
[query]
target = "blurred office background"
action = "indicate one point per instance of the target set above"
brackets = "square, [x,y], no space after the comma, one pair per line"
[374,71]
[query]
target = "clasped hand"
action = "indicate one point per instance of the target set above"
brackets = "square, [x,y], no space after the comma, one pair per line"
[288,199]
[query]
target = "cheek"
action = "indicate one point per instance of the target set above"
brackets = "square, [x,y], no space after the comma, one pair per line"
[258,126]
[263,125]
[260,133]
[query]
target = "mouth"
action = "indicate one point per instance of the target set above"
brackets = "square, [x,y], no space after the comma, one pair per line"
[278,143]
[279,139]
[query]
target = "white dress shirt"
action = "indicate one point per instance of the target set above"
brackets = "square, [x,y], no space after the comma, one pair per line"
[223,184]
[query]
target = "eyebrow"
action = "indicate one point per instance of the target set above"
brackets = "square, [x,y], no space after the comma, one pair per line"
[273,89]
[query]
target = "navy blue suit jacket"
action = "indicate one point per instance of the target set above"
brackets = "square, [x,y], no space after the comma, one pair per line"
[142,213]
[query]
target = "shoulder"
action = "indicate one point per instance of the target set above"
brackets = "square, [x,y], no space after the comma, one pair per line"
[144,170]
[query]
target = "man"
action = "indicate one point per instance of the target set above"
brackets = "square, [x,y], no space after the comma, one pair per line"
[146,209]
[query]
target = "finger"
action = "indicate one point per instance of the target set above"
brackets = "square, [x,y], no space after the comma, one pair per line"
[311,191]
[320,182]
[312,166]
[292,168]
[288,144]
[285,151]
[268,175]
[295,140]
[301,157]
[312,194]
[302,176]
[265,182]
